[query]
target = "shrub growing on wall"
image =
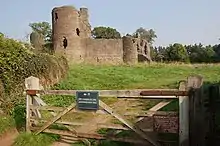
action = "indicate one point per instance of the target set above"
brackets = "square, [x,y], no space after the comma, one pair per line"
[17,62]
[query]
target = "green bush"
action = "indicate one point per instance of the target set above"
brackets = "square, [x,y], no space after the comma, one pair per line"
[18,62]
[19,115]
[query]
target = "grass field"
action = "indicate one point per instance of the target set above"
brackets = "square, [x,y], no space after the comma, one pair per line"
[129,77]
[133,77]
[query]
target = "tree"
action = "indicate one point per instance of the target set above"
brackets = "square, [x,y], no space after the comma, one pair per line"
[2,34]
[148,35]
[44,29]
[199,53]
[208,54]
[195,52]
[153,53]
[105,33]
[161,54]
[216,48]
[177,52]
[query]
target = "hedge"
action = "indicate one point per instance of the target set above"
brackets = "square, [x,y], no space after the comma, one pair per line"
[17,62]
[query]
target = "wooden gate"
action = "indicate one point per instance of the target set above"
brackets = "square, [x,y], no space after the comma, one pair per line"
[212,108]
[37,120]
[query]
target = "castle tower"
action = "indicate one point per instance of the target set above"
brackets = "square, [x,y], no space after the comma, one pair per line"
[85,25]
[130,53]
[66,23]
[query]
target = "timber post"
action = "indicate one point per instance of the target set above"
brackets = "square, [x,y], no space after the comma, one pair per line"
[183,116]
[196,116]
[32,85]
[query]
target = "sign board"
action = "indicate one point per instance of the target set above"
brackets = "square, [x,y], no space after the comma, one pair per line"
[87,100]
[166,123]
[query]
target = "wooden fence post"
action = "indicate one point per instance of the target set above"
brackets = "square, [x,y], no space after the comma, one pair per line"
[212,107]
[31,84]
[183,116]
[196,116]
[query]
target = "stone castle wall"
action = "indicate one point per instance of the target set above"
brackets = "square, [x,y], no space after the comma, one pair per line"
[103,51]
[74,25]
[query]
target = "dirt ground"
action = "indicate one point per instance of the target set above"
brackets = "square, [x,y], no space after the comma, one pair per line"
[60,144]
[8,138]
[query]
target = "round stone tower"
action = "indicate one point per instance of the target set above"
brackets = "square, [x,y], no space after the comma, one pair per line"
[66,23]
[130,54]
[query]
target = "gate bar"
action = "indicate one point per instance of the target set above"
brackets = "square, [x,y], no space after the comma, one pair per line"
[116,93]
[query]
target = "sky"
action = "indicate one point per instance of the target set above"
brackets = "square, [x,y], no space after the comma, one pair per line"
[174,21]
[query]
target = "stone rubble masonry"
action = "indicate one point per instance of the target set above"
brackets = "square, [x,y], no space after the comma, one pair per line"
[74,24]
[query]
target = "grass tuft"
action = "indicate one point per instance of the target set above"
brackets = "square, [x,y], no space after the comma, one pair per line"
[6,123]
[27,139]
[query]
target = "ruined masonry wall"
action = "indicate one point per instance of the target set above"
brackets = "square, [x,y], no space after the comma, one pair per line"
[66,20]
[103,51]
[85,27]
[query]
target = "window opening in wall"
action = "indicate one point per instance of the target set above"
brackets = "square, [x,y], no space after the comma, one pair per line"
[145,49]
[142,43]
[77,31]
[97,59]
[138,48]
[133,40]
[56,16]
[65,42]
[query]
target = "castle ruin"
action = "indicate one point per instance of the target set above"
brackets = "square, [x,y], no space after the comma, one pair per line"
[73,24]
